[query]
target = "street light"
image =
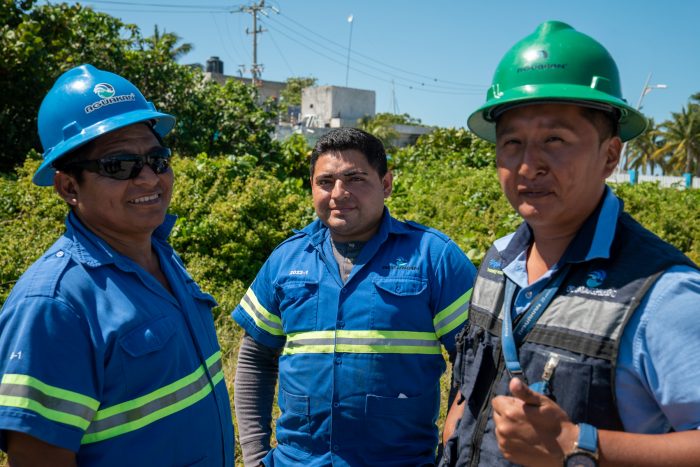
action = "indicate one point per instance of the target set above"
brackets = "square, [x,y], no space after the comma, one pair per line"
[347,68]
[645,90]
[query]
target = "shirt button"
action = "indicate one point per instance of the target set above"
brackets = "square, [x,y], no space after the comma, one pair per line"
[60,254]
[343,291]
[528,294]
[340,325]
[338,360]
[336,447]
[336,404]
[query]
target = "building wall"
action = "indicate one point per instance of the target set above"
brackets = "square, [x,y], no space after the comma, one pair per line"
[334,106]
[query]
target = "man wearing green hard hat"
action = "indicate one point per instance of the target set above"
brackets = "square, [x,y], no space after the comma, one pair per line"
[583,325]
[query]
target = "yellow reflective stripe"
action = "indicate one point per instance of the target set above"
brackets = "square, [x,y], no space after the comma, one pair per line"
[52,391]
[329,348]
[262,318]
[453,316]
[363,341]
[50,414]
[137,413]
[403,349]
[51,402]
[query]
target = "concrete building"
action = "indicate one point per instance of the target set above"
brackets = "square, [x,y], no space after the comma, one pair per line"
[335,106]
[322,107]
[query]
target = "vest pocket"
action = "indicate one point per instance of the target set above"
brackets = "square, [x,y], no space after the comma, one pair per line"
[402,425]
[570,381]
[293,425]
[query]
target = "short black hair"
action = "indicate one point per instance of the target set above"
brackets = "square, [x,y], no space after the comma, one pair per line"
[342,139]
[607,123]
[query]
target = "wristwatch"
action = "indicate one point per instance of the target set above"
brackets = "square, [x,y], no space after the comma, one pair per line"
[585,453]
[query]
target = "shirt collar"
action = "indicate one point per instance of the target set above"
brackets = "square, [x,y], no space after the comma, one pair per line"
[92,250]
[593,240]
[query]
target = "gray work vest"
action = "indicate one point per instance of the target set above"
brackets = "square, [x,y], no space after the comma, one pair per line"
[581,329]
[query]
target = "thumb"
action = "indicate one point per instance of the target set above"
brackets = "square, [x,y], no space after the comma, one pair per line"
[521,391]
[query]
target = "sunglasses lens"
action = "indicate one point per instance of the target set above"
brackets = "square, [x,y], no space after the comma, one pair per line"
[120,167]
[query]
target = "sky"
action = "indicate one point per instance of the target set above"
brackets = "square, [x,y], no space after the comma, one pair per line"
[434,59]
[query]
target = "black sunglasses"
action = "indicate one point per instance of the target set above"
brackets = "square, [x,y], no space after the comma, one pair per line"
[127,166]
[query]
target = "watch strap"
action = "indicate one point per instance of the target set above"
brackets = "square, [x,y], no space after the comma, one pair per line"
[587,438]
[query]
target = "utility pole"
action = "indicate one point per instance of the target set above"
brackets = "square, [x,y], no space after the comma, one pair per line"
[253,10]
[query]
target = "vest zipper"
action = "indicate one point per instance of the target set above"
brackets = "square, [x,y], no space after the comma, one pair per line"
[484,412]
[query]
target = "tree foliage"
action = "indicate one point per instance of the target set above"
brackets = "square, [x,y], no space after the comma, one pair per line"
[383,126]
[291,94]
[681,140]
[54,38]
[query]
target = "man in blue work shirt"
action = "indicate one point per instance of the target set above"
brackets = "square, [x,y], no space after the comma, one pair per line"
[357,303]
[583,324]
[107,346]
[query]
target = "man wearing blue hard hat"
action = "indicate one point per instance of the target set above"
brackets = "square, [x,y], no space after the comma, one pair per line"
[107,346]
[584,327]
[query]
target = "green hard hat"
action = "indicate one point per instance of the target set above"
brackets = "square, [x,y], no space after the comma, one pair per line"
[556,63]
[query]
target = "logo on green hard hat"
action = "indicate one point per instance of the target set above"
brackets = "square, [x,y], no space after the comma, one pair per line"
[555,63]
[103,90]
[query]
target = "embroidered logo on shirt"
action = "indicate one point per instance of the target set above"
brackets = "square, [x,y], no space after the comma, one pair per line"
[593,281]
[495,267]
[401,263]
[298,272]
[595,278]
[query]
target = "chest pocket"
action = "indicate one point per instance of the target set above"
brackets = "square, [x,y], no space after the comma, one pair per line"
[144,350]
[401,304]
[298,305]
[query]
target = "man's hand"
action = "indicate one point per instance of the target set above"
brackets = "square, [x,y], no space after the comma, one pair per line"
[531,429]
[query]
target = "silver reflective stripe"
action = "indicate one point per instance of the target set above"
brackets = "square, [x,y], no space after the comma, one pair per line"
[452,316]
[49,402]
[254,308]
[127,420]
[388,342]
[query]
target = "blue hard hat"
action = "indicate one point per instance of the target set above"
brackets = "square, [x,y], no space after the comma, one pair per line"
[85,103]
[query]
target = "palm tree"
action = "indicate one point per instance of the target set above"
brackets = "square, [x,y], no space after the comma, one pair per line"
[640,151]
[166,42]
[681,136]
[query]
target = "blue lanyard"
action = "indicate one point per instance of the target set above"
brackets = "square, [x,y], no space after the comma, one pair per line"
[510,337]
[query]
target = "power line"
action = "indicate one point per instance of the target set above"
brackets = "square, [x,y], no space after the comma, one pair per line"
[409,83]
[219,8]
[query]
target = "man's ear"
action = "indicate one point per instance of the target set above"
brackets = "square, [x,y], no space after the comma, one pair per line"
[613,150]
[67,187]
[388,183]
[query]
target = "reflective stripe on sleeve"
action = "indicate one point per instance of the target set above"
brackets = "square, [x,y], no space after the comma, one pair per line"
[137,413]
[453,316]
[262,318]
[346,341]
[51,402]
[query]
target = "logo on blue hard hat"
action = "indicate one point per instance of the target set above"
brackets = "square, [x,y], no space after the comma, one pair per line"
[104,90]
[595,278]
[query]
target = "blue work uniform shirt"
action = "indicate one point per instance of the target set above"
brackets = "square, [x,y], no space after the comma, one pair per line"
[99,358]
[361,360]
[656,388]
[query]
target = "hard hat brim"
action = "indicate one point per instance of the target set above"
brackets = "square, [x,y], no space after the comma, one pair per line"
[45,173]
[632,122]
